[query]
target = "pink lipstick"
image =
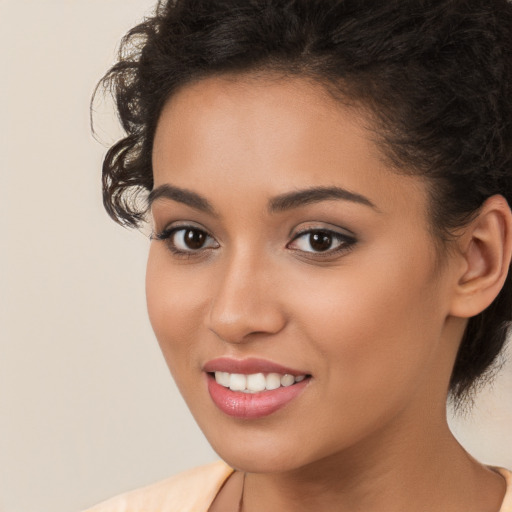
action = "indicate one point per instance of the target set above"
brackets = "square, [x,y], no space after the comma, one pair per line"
[252,388]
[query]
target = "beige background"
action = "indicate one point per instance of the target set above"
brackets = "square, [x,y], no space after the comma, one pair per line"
[87,408]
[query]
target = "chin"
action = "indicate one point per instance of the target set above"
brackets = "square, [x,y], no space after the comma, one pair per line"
[256,461]
[261,450]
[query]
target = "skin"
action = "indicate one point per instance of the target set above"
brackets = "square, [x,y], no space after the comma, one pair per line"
[374,324]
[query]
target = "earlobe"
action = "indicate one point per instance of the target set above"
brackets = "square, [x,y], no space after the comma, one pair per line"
[486,248]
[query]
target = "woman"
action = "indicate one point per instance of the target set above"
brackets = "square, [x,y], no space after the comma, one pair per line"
[328,185]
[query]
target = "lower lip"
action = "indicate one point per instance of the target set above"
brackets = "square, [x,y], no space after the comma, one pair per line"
[252,405]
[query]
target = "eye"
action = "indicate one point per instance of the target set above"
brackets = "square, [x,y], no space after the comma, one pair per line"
[187,239]
[321,241]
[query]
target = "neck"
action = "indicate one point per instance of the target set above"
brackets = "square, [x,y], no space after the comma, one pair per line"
[394,471]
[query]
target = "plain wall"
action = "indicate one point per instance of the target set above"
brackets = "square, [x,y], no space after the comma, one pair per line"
[87,408]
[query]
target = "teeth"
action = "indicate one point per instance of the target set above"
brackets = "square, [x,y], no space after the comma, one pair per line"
[256,382]
[237,382]
[273,381]
[222,378]
[287,380]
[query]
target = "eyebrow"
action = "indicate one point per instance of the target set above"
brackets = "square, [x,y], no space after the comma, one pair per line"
[307,196]
[181,195]
[281,203]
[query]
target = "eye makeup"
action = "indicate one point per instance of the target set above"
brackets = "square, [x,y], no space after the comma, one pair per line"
[188,240]
[322,242]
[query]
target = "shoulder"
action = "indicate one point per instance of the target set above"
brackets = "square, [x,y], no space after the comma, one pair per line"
[190,491]
[507,475]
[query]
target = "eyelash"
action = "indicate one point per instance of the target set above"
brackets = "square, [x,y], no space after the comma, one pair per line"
[167,236]
[346,242]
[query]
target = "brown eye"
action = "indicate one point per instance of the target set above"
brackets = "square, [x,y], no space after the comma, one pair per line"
[190,239]
[320,241]
[317,241]
[194,239]
[187,240]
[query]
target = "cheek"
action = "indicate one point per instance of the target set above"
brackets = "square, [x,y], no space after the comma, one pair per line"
[375,330]
[175,306]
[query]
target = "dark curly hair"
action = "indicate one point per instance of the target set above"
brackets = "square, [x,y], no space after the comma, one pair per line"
[436,76]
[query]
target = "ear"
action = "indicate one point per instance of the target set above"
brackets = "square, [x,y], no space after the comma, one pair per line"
[485,249]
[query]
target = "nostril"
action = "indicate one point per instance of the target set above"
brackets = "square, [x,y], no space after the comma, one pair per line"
[242,320]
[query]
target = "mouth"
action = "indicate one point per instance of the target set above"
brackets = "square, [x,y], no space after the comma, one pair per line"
[255,382]
[252,388]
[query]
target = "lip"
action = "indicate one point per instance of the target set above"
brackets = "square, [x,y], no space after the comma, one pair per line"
[248,406]
[248,366]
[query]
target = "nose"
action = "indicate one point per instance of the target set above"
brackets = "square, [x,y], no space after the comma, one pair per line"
[245,301]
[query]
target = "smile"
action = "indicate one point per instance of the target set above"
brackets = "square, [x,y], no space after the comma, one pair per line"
[256,382]
[252,388]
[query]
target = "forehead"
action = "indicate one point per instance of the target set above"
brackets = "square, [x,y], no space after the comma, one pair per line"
[267,135]
[266,114]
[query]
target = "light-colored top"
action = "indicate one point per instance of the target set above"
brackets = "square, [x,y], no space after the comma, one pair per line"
[190,491]
[195,490]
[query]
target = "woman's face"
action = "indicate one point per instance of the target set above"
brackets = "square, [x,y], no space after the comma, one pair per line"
[284,245]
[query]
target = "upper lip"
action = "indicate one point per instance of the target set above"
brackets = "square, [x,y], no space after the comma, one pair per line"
[248,366]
